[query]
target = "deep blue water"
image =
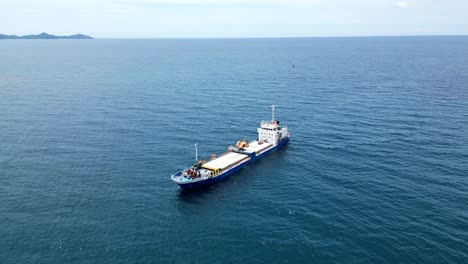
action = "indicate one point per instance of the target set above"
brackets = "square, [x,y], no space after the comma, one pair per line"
[376,170]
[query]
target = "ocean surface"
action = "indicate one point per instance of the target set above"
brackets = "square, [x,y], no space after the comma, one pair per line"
[376,170]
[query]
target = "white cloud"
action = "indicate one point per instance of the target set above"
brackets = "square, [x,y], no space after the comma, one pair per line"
[201,2]
[401,4]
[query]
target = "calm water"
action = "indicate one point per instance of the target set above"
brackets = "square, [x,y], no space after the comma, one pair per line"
[376,170]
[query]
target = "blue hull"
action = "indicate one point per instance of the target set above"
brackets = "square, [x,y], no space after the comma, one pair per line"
[226,174]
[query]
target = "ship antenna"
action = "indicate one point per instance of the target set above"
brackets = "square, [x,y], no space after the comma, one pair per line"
[196,151]
[272,112]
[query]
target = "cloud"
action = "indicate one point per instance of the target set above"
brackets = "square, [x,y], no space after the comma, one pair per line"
[201,2]
[401,4]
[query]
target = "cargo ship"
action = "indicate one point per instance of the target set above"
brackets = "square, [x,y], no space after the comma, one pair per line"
[271,136]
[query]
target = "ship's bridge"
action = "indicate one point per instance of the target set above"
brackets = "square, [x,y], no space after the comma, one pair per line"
[274,124]
[271,131]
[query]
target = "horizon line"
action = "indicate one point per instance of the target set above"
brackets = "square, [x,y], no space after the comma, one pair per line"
[266,37]
[338,36]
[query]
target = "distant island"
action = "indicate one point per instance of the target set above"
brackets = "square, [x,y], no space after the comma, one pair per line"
[45,36]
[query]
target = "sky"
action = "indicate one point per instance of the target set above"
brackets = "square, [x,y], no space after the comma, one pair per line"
[234,18]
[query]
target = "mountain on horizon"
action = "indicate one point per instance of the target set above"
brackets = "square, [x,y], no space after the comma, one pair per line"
[45,36]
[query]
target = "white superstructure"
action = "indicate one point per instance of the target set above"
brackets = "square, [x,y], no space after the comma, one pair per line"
[271,131]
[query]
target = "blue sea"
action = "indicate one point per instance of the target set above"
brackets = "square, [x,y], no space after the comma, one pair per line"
[376,170]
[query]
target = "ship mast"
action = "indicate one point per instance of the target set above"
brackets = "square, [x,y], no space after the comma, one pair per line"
[272,112]
[196,151]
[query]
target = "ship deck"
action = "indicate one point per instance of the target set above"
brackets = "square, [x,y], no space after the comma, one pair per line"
[255,147]
[225,161]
